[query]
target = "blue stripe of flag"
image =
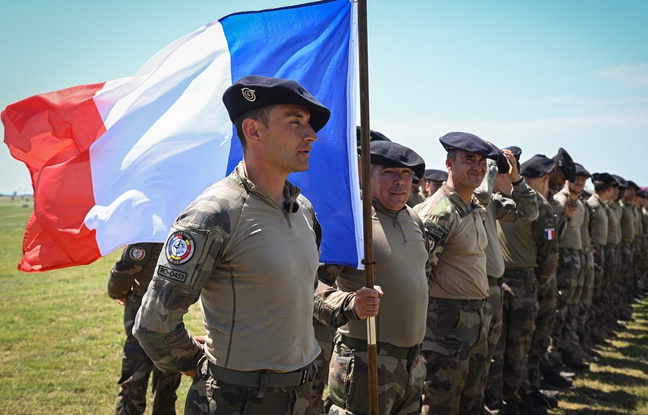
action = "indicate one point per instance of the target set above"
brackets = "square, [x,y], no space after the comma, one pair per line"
[309,43]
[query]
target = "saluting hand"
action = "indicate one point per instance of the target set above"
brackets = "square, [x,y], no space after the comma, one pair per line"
[367,302]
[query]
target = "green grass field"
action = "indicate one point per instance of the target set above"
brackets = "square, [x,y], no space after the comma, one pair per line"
[61,336]
[61,339]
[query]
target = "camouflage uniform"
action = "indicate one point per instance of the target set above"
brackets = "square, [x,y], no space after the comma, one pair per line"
[129,278]
[638,253]
[520,244]
[568,275]
[253,291]
[598,229]
[625,285]
[455,345]
[612,262]
[401,256]
[587,290]
[324,335]
[521,206]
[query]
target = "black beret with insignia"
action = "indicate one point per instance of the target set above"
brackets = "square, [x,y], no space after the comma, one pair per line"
[469,143]
[390,154]
[581,171]
[433,175]
[566,164]
[252,92]
[537,166]
[605,178]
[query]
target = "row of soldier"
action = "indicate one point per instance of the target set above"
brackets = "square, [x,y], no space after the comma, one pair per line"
[468,281]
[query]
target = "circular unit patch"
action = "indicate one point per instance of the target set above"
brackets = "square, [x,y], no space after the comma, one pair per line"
[137,253]
[180,247]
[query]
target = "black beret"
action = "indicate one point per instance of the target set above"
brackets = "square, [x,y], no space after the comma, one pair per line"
[581,171]
[537,166]
[633,185]
[433,175]
[373,136]
[468,142]
[641,193]
[252,92]
[604,178]
[390,154]
[620,181]
[566,164]
[517,151]
[503,166]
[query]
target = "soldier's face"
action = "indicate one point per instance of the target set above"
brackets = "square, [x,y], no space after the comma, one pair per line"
[468,169]
[578,185]
[433,186]
[557,180]
[391,185]
[288,138]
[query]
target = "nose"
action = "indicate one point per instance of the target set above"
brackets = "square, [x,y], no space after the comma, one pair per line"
[399,178]
[310,135]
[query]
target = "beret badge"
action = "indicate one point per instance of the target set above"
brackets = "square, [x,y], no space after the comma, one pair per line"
[248,94]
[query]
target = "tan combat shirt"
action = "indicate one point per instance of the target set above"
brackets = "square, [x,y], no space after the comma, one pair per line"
[598,226]
[571,238]
[614,225]
[401,270]
[457,245]
[627,223]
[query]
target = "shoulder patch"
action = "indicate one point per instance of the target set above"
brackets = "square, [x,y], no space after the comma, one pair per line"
[437,234]
[180,247]
[137,253]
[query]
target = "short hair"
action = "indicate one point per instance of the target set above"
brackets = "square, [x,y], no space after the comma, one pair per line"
[452,155]
[600,187]
[261,114]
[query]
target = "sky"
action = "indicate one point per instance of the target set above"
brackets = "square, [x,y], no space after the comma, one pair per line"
[539,75]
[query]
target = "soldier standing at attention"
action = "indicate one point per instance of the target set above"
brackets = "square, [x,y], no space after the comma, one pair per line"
[455,345]
[401,259]
[599,238]
[127,283]
[523,244]
[506,198]
[248,249]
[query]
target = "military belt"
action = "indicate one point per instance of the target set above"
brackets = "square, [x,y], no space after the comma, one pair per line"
[262,378]
[520,273]
[409,353]
[496,281]
[474,304]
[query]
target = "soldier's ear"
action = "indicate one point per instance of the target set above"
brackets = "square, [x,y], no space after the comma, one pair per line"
[250,128]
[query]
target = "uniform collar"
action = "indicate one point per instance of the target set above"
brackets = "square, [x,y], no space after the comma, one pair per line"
[291,192]
[458,202]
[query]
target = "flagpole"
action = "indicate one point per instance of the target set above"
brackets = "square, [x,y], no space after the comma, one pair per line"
[366,199]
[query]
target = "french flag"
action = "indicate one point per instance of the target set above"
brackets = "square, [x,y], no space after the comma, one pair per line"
[115,163]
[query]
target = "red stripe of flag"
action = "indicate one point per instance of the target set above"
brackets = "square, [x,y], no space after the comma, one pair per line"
[51,133]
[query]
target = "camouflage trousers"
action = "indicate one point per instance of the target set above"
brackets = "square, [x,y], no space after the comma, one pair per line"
[597,310]
[136,370]
[584,304]
[209,396]
[509,368]
[609,283]
[541,339]
[624,281]
[399,381]
[454,352]
[324,336]
[567,280]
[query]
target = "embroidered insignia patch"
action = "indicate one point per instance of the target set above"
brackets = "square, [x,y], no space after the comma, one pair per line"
[137,253]
[248,94]
[180,247]
[550,234]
